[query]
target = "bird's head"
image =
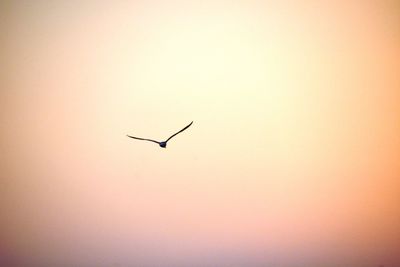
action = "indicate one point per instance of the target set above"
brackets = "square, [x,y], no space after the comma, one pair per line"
[163,144]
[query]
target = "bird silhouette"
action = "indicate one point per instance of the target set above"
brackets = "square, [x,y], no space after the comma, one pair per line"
[162,144]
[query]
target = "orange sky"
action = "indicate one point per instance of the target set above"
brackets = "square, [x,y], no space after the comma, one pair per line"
[293,158]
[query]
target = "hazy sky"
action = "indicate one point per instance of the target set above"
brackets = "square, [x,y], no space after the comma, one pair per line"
[293,158]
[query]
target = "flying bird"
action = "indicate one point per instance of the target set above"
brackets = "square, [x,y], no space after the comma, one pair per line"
[162,144]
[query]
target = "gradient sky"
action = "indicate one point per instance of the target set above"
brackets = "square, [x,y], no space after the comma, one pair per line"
[293,158]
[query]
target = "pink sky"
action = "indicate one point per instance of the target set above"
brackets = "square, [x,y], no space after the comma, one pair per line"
[293,158]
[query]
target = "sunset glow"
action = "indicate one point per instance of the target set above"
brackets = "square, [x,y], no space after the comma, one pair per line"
[293,158]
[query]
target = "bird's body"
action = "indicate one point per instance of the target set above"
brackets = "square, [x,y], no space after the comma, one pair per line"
[162,144]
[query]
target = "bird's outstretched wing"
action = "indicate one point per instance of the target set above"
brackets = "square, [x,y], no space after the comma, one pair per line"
[145,139]
[179,131]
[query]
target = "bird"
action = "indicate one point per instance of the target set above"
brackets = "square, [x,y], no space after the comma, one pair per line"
[162,144]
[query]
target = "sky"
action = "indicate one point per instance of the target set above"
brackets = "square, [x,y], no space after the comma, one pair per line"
[293,159]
